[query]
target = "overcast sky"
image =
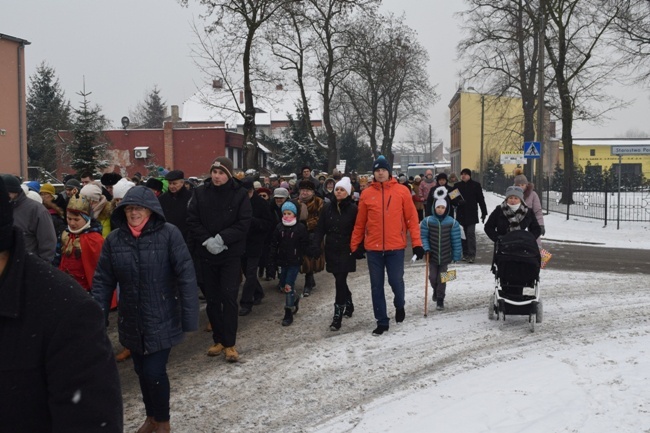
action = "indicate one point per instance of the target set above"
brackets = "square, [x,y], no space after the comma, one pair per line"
[124,47]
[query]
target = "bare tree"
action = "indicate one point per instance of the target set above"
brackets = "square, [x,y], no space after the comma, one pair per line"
[388,84]
[236,25]
[583,64]
[633,25]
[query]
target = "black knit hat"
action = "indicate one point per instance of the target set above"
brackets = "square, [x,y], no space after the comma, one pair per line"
[154,183]
[381,162]
[306,184]
[110,179]
[6,219]
[441,176]
[12,183]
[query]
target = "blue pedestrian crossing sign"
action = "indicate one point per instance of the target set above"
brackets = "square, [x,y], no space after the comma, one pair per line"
[532,149]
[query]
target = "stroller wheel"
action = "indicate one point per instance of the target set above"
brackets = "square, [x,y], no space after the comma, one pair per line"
[532,319]
[540,312]
[492,309]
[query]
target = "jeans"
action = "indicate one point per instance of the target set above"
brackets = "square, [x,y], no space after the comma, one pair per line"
[252,289]
[469,244]
[154,383]
[393,263]
[288,277]
[439,288]
[221,287]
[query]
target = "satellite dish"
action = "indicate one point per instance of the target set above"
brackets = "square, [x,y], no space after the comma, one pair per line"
[125,122]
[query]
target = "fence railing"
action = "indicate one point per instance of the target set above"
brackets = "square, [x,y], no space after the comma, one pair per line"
[607,205]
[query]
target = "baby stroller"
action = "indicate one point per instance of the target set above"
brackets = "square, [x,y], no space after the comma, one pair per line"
[516,265]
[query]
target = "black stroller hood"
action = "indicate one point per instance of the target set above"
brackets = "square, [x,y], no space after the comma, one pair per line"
[516,255]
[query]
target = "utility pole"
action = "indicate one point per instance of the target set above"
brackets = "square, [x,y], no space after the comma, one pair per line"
[430,145]
[539,164]
[480,163]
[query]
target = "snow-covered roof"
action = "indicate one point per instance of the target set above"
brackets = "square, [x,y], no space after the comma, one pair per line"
[218,105]
[611,141]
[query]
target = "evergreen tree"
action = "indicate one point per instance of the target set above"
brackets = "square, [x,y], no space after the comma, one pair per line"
[558,178]
[357,155]
[47,112]
[88,147]
[493,171]
[151,112]
[296,149]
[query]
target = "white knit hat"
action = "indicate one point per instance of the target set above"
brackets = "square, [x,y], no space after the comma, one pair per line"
[121,187]
[441,202]
[345,184]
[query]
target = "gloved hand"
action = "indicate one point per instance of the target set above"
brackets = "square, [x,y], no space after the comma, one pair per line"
[419,252]
[483,218]
[359,252]
[543,230]
[215,245]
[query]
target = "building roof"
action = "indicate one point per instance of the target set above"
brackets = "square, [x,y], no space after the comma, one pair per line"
[218,105]
[611,141]
[14,39]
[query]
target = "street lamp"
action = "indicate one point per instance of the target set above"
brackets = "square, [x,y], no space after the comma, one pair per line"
[480,163]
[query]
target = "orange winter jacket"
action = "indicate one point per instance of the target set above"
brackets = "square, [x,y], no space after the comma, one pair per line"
[386,212]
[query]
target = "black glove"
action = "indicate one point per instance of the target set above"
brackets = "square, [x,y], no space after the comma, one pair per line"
[419,252]
[483,219]
[543,230]
[359,252]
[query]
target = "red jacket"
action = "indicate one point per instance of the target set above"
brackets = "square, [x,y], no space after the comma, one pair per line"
[386,212]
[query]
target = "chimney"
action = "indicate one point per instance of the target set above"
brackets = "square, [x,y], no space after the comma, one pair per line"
[241,96]
[217,83]
[175,117]
[278,87]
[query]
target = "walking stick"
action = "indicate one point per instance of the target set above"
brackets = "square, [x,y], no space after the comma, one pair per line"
[426,283]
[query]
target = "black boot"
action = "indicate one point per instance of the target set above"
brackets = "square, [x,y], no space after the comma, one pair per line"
[308,287]
[338,317]
[440,304]
[312,281]
[288,317]
[295,305]
[349,307]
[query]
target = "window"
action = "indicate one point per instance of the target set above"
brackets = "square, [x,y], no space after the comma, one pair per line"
[592,152]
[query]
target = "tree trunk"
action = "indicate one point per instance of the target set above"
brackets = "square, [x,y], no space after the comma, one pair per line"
[250,129]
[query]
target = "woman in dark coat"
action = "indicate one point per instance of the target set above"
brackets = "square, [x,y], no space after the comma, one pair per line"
[512,214]
[335,224]
[158,295]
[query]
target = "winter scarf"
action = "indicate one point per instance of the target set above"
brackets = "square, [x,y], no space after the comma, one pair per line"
[514,217]
[71,239]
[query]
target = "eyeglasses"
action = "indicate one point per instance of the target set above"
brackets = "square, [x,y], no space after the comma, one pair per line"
[134,209]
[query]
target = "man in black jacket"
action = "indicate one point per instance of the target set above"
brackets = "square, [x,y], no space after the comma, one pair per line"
[174,201]
[218,217]
[57,371]
[471,196]
[262,223]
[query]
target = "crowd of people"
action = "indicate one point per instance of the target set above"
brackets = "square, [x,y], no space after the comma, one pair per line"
[151,249]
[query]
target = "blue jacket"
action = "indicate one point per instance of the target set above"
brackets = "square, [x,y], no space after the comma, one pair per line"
[158,291]
[441,239]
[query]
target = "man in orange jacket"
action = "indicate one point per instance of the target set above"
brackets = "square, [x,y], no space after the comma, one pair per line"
[386,212]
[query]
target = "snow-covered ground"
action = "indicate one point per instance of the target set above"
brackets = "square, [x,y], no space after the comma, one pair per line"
[586,368]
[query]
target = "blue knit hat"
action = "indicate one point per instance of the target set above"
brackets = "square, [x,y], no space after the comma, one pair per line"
[381,162]
[290,207]
[34,186]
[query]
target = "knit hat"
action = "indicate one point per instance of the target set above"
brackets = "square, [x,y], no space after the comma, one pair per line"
[33,185]
[247,183]
[515,191]
[306,184]
[466,171]
[345,184]
[281,192]
[6,218]
[79,204]
[440,202]
[441,176]
[175,175]
[48,188]
[92,191]
[121,187]
[284,185]
[306,167]
[110,179]
[153,183]
[224,164]
[290,207]
[12,183]
[257,184]
[520,177]
[73,183]
[417,178]
[264,191]
[381,162]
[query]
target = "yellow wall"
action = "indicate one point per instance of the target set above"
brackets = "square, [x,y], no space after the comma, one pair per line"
[603,157]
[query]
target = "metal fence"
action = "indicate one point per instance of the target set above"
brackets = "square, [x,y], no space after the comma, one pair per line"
[610,206]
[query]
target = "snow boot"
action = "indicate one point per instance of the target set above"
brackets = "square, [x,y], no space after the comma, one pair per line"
[349,307]
[338,317]
[149,426]
[163,427]
[288,317]
[400,314]
[440,304]
[295,305]
[380,329]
